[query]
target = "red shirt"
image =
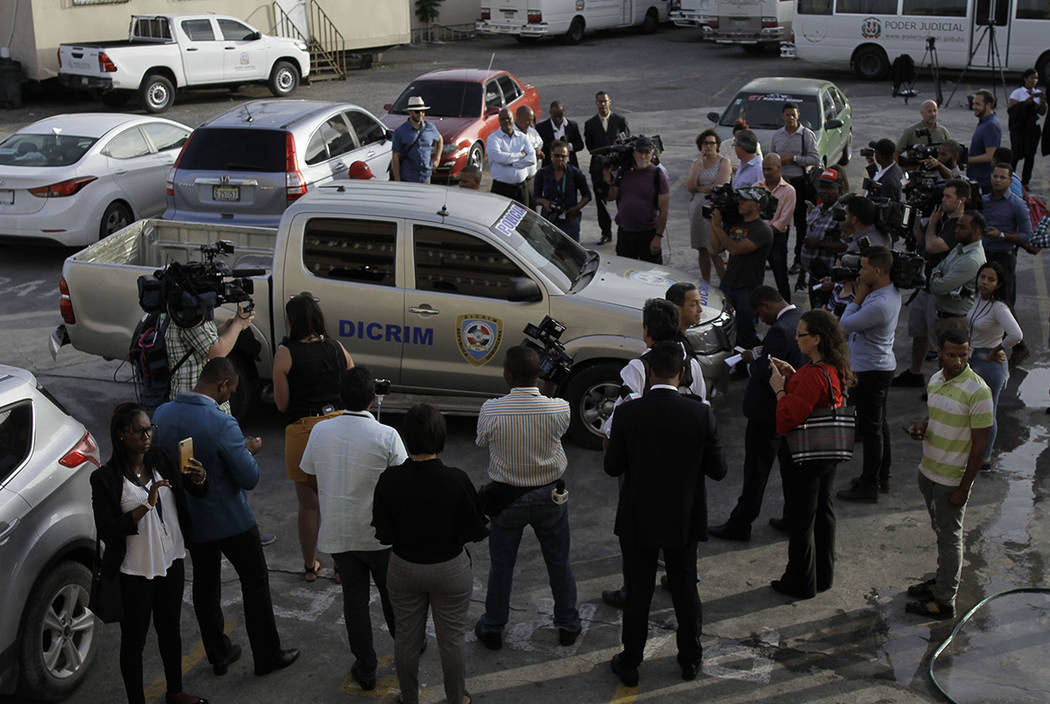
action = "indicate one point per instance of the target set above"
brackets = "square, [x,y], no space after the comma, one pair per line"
[806,389]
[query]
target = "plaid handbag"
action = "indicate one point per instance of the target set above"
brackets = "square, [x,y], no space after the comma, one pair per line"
[827,434]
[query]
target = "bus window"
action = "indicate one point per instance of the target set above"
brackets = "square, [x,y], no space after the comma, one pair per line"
[814,7]
[935,8]
[1033,10]
[866,7]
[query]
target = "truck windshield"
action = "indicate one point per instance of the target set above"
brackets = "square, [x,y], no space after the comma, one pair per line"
[43,149]
[762,110]
[443,98]
[543,245]
[234,149]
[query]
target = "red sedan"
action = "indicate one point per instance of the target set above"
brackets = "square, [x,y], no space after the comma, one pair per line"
[464,106]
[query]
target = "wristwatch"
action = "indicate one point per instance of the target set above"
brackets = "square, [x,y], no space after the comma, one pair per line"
[1002,235]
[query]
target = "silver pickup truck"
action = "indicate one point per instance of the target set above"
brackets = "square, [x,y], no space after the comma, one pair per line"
[425,285]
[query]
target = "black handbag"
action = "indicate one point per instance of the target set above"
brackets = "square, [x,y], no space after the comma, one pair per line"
[828,433]
[105,600]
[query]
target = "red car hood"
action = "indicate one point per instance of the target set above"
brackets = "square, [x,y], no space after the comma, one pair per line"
[449,127]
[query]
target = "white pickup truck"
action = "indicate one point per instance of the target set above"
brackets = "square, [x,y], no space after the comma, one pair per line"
[425,285]
[167,52]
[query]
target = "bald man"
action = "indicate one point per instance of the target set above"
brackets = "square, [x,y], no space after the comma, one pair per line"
[780,223]
[916,134]
[510,155]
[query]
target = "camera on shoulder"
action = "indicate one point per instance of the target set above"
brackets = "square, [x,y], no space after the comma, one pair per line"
[555,362]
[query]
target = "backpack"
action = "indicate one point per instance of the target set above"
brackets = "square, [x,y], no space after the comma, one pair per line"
[148,356]
[902,72]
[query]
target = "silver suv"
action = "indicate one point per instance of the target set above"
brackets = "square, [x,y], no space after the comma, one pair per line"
[48,637]
[249,164]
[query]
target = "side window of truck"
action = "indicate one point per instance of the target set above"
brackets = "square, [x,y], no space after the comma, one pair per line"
[454,262]
[234,31]
[16,436]
[198,30]
[350,250]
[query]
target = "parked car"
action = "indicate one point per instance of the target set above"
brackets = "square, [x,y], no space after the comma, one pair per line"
[165,52]
[48,637]
[823,107]
[464,106]
[249,164]
[72,179]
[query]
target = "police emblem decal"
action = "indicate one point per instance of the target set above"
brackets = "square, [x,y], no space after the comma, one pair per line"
[478,337]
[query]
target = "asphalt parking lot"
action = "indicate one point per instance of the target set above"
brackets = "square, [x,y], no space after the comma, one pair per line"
[853,643]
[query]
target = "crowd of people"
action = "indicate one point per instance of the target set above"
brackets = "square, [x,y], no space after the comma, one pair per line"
[388,510]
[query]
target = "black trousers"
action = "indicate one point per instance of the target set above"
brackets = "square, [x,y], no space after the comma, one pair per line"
[1024,143]
[810,517]
[159,598]
[803,191]
[635,244]
[778,262]
[601,192]
[514,191]
[639,571]
[246,555]
[762,446]
[869,396]
[356,567]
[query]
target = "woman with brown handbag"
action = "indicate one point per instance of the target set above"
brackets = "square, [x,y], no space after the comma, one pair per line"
[808,510]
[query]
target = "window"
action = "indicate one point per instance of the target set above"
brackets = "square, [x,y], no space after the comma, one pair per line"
[866,7]
[454,262]
[24,149]
[152,28]
[762,110]
[198,30]
[511,92]
[165,136]
[814,7]
[316,150]
[350,250]
[1033,10]
[16,437]
[935,8]
[127,145]
[829,105]
[233,31]
[368,130]
[335,134]
[234,149]
[445,98]
[493,97]
[840,102]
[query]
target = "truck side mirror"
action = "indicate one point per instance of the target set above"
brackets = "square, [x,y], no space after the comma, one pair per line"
[713,117]
[833,124]
[255,36]
[524,289]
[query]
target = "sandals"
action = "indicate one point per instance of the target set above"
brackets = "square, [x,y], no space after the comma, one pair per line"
[310,571]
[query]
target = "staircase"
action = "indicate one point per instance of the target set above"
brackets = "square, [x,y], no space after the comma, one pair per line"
[327,45]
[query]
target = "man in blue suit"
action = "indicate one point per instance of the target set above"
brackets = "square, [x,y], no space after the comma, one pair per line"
[762,444]
[222,522]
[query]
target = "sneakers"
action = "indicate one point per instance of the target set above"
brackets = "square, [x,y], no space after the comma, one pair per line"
[910,379]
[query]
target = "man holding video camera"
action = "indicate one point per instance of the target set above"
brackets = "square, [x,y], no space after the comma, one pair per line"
[883,169]
[642,195]
[748,243]
[600,131]
[190,348]
[926,131]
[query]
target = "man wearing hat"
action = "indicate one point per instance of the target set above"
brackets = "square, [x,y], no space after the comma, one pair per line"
[643,198]
[885,171]
[417,146]
[823,241]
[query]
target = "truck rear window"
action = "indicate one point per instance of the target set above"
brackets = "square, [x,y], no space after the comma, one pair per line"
[234,149]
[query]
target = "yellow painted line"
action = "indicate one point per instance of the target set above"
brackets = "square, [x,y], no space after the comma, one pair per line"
[385,684]
[732,81]
[1041,294]
[624,695]
[157,689]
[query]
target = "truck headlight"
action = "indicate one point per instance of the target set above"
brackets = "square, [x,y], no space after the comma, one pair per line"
[301,46]
[712,337]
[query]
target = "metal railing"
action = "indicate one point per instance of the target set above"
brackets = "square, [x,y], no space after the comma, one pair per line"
[442,33]
[326,43]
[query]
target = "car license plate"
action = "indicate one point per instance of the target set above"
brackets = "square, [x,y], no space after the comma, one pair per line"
[509,13]
[226,193]
[7,197]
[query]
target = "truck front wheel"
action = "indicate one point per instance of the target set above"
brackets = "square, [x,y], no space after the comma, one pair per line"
[157,93]
[284,79]
[591,394]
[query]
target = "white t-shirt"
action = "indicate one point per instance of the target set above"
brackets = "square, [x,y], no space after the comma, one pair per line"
[1021,95]
[633,377]
[158,543]
[347,454]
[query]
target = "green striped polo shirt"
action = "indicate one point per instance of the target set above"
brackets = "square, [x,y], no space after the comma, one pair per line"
[956,406]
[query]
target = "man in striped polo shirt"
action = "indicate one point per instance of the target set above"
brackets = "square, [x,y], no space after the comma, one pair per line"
[523,433]
[955,435]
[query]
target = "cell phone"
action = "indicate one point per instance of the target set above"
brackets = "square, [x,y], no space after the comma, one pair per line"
[185,455]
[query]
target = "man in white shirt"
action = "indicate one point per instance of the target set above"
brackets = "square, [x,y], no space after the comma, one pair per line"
[510,154]
[344,457]
[523,121]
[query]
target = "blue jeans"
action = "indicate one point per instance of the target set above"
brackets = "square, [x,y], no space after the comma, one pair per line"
[995,374]
[570,227]
[550,522]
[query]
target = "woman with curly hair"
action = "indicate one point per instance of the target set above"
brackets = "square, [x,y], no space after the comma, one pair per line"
[808,511]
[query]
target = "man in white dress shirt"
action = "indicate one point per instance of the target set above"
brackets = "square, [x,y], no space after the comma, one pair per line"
[510,155]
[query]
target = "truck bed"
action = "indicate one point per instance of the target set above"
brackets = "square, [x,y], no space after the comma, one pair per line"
[117,43]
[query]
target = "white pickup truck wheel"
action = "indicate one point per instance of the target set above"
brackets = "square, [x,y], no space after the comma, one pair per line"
[284,79]
[157,92]
[591,394]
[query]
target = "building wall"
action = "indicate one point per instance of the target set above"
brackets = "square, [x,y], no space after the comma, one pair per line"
[453,12]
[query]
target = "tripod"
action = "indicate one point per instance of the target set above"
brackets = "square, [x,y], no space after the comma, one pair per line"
[995,59]
[929,56]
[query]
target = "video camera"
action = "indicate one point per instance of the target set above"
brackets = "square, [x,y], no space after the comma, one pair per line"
[724,199]
[908,270]
[621,154]
[892,217]
[555,362]
[189,292]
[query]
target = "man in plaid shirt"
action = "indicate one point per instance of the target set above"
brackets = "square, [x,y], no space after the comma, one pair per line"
[202,342]
[823,242]
[1041,234]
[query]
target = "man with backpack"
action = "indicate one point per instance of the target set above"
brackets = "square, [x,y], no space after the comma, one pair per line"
[417,145]
[189,349]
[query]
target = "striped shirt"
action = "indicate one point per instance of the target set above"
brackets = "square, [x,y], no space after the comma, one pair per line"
[956,406]
[523,433]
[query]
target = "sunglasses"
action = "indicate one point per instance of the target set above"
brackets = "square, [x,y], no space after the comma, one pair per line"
[148,430]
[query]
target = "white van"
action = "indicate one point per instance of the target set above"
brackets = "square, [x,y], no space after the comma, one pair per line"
[531,19]
[691,13]
[752,24]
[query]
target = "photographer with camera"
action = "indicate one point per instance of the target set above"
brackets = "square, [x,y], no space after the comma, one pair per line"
[796,145]
[859,218]
[748,243]
[562,191]
[871,322]
[823,241]
[926,131]
[883,169]
[946,163]
[642,195]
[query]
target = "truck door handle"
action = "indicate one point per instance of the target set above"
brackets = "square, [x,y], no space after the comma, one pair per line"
[229,48]
[339,166]
[425,310]
[191,48]
[7,528]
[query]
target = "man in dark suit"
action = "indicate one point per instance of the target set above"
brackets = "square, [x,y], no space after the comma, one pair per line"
[761,442]
[602,131]
[885,171]
[663,444]
[557,127]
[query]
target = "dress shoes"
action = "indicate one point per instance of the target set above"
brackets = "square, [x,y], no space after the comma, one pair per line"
[727,531]
[567,637]
[689,670]
[492,641]
[779,524]
[922,590]
[884,484]
[859,495]
[782,587]
[232,655]
[367,680]
[614,598]
[283,659]
[909,379]
[627,675]
[930,608]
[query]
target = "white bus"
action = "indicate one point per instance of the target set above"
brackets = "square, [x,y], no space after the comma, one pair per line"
[867,35]
[529,20]
[752,24]
[691,13]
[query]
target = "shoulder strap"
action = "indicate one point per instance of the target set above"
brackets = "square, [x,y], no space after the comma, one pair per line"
[831,389]
[419,134]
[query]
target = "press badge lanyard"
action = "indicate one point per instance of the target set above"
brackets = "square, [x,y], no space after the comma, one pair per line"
[160,505]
